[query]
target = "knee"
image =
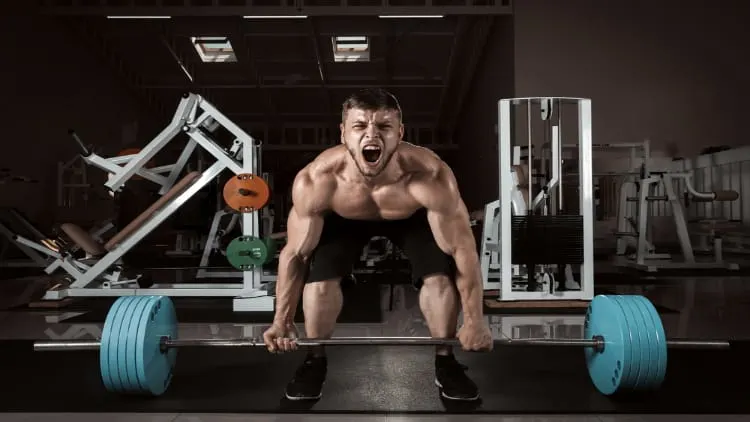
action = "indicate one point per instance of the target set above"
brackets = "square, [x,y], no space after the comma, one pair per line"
[323,289]
[438,283]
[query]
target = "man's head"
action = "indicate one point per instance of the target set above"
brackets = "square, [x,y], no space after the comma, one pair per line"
[371,129]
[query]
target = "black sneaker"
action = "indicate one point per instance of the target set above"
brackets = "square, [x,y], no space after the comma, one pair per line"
[307,383]
[451,378]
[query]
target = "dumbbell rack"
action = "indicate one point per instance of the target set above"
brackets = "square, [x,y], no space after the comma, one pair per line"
[198,119]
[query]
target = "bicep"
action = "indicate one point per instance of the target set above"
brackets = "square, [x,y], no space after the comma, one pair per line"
[303,232]
[452,229]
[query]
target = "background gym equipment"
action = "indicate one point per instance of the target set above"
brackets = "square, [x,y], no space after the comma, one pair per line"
[246,193]
[635,222]
[199,120]
[246,252]
[529,268]
[624,343]
[225,223]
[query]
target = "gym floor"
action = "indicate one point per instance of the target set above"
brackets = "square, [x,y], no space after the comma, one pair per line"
[695,307]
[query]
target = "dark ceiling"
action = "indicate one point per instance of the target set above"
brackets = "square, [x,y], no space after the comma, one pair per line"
[276,69]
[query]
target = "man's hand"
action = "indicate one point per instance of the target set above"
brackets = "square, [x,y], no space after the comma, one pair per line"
[475,336]
[280,338]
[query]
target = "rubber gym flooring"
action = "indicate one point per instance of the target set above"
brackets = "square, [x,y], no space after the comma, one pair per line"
[515,380]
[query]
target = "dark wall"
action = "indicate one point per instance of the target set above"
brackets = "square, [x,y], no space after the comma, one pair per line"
[476,169]
[51,81]
[673,72]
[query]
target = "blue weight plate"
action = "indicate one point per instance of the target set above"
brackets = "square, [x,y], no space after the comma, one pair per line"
[141,321]
[113,365]
[136,387]
[119,365]
[155,366]
[650,351]
[633,343]
[109,334]
[661,343]
[639,331]
[606,368]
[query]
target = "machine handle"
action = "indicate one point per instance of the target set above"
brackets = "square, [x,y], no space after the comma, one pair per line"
[84,150]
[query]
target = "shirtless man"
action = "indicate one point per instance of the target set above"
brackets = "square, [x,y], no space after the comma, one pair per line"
[375,184]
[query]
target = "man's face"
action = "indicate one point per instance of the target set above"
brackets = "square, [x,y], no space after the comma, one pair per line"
[371,136]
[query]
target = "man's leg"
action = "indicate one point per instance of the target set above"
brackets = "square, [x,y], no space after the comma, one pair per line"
[321,304]
[333,259]
[433,273]
[439,302]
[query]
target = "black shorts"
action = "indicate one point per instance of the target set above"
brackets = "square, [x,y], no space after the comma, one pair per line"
[342,240]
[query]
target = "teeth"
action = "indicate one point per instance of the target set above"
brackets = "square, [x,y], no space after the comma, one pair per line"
[371,148]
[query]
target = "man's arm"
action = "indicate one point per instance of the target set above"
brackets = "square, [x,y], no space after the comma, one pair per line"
[449,221]
[304,226]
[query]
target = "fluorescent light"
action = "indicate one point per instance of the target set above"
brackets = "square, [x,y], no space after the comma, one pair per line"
[410,16]
[276,17]
[139,17]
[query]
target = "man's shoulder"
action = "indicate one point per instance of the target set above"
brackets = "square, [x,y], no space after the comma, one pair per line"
[322,167]
[423,163]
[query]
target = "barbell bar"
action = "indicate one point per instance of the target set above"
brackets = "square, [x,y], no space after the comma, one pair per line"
[167,343]
[624,344]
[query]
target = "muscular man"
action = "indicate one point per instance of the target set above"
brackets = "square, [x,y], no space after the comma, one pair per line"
[375,184]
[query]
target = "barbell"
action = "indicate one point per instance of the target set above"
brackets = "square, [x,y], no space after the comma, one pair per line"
[624,344]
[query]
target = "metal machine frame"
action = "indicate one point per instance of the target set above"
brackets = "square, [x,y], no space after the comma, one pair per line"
[195,117]
[645,257]
[508,185]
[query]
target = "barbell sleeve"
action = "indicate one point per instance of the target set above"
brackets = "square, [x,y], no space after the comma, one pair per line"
[597,343]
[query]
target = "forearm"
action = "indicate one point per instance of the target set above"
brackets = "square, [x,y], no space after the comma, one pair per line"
[289,282]
[469,284]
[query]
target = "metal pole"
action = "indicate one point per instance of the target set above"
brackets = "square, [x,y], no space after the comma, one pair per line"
[78,345]
[597,343]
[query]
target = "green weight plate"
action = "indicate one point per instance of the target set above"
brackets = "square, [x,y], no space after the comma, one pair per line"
[657,329]
[247,252]
[607,367]
[640,341]
[272,246]
[154,365]
[650,351]
[108,335]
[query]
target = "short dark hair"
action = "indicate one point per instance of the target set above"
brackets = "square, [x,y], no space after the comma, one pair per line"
[371,99]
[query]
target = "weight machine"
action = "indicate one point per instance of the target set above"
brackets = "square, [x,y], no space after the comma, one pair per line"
[531,238]
[103,275]
[635,223]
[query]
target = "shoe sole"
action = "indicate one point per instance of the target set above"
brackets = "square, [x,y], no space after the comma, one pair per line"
[303,398]
[442,393]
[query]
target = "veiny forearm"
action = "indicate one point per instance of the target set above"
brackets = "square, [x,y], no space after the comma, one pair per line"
[289,283]
[469,284]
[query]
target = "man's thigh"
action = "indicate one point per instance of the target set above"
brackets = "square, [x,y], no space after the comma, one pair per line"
[414,236]
[339,248]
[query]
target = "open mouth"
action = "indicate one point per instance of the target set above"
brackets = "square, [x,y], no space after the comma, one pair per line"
[371,153]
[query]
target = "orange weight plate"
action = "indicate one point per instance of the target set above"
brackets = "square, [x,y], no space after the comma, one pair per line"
[246,193]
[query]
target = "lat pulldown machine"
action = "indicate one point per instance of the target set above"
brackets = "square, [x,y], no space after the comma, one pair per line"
[102,274]
[536,237]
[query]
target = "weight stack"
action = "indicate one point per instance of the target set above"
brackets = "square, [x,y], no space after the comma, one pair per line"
[547,239]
